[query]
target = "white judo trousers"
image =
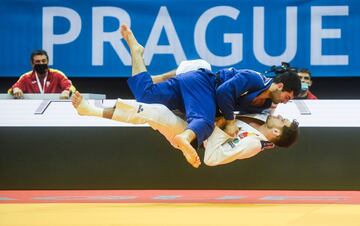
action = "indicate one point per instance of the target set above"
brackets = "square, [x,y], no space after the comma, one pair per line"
[158,116]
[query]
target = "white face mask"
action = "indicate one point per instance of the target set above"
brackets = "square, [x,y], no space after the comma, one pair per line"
[304,87]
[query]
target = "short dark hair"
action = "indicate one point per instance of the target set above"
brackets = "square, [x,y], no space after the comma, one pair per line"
[291,81]
[289,135]
[304,70]
[38,52]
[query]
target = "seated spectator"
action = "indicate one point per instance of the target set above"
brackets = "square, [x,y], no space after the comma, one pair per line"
[42,79]
[306,82]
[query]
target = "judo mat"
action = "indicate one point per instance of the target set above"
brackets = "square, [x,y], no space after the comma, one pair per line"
[179,207]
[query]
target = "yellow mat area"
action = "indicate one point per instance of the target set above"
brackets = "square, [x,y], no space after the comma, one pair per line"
[93,214]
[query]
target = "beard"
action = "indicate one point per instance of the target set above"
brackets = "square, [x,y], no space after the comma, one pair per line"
[276,96]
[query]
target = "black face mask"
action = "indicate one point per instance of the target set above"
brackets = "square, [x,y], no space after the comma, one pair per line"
[41,68]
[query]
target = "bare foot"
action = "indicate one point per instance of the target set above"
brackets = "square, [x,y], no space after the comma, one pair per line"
[82,106]
[130,39]
[188,151]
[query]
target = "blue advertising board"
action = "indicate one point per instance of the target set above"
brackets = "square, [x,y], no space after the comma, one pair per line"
[82,38]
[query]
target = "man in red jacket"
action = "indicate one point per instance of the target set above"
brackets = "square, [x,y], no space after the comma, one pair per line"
[42,79]
[306,82]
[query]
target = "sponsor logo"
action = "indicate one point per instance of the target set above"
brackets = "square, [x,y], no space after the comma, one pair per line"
[140,109]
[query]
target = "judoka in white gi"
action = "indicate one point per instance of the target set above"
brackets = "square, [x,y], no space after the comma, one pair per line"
[255,134]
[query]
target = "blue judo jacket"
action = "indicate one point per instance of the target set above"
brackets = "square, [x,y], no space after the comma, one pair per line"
[238,88]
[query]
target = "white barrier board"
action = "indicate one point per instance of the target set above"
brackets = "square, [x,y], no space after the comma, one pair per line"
[57,113]
[318,113]
[323,113]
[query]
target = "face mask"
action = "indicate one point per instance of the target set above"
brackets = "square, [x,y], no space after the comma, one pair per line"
[304,87]
[41,68]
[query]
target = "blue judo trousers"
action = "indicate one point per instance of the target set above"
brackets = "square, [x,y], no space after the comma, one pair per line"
[192,93]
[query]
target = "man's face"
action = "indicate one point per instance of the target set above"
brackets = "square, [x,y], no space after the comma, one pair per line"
[305,78]
[39,59]
[279,96]
[277,122]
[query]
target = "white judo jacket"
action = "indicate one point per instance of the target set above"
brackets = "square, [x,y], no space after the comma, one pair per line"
[220,148]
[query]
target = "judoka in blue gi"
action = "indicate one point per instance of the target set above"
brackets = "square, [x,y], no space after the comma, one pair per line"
[198,93]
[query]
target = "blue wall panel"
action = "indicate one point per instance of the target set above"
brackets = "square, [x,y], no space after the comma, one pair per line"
[82,37]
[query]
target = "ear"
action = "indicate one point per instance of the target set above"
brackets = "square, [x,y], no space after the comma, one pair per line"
[276,132]
[280,86]
[310,83]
